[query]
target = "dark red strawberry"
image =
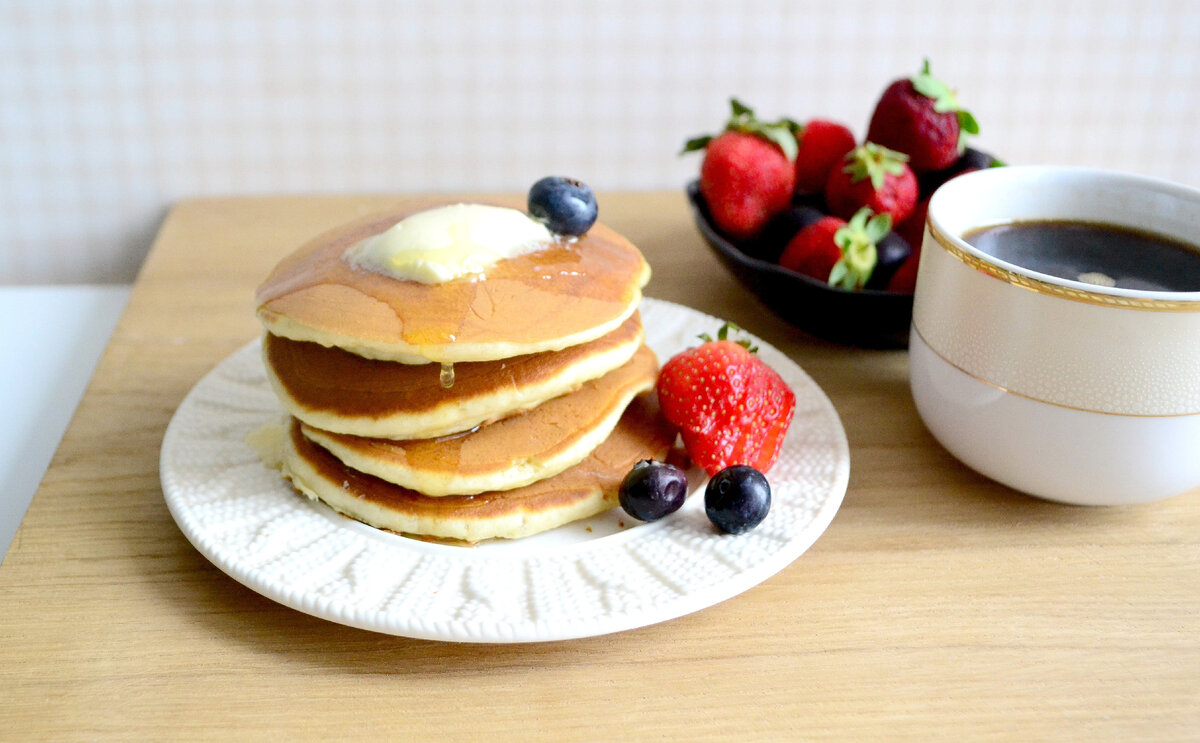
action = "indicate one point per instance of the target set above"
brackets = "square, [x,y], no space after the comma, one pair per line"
[920,116]
[729,406]
[904,281]
[780,230]
[823,144]
[912,229]
[813,251]
[876,177]
[748,174]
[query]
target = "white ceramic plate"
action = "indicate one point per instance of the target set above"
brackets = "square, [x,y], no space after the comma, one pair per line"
[600,575]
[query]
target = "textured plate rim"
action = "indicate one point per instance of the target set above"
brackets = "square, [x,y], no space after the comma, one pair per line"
[214,544]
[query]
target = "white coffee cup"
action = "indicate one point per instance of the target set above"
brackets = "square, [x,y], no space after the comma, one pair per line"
[1061,389]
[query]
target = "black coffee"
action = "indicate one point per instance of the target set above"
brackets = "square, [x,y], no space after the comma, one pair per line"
[1094,253]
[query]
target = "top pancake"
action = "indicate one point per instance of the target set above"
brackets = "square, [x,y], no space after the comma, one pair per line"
[571,292]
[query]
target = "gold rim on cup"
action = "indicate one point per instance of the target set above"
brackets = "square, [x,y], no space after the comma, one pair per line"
[1149,304]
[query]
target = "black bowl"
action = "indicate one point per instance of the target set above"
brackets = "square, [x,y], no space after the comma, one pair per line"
[867,318]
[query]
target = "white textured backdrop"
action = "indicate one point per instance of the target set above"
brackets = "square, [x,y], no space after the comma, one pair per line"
[109,111]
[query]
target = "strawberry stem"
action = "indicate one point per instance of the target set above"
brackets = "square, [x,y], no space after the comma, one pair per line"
[945,99]
[781,133]
[723,335]
[873,161]
[858,241]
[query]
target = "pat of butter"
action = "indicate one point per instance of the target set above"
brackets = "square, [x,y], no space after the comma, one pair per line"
[447,242]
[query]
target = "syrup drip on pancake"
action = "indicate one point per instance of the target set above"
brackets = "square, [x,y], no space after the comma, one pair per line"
[485,405]
[336,381]
[512,452]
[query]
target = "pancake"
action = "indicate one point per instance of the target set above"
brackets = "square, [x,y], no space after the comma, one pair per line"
[586,489]
[573,291]
[510,453]
[337,391]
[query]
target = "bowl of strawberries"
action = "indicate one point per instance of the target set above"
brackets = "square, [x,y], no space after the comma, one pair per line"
[825,229]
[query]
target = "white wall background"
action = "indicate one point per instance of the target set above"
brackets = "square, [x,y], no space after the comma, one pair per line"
[110,110]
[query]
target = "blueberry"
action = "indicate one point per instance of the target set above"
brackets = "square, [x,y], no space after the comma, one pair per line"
[737,499]
[567,206]
[890,253]
[971,159]
[652,490]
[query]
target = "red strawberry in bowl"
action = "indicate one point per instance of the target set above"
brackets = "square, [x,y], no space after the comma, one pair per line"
[921,117]
[823,144]
[860,254]
[748,174]
[876,177]
[904,281]
[859,241]
[814,250]
[912,229]
[730,407]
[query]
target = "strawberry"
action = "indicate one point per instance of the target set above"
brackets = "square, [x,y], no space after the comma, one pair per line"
[920,116]
[823,144]
[912,229]
[769,244]
[874,177]
[813,251]
[748,174]
[859,241]
[729,406]
[845,254]
[904,281]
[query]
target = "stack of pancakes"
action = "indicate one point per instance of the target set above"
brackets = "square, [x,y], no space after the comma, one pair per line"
[486,406]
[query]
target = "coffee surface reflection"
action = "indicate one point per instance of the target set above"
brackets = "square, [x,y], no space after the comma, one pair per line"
[1094,253]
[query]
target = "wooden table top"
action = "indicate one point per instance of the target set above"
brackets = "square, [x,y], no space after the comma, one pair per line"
[937,605]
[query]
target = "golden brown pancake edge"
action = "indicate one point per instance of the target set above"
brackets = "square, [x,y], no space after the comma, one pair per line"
[586,489]
[509,453]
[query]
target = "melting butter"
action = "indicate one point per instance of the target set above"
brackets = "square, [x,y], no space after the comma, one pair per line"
[448,242]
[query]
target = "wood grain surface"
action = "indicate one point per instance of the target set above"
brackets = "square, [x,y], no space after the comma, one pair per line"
[938,605]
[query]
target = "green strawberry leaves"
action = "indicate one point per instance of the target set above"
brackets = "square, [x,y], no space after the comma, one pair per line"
[945,99]
[781,133]
[875,162]
[723,335]
[857,241]
[695,144]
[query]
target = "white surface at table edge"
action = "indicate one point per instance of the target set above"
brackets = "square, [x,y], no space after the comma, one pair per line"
[53,337]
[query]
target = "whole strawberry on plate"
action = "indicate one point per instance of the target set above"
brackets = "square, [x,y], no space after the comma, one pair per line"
[921,117]
[730,407]
[748,173]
